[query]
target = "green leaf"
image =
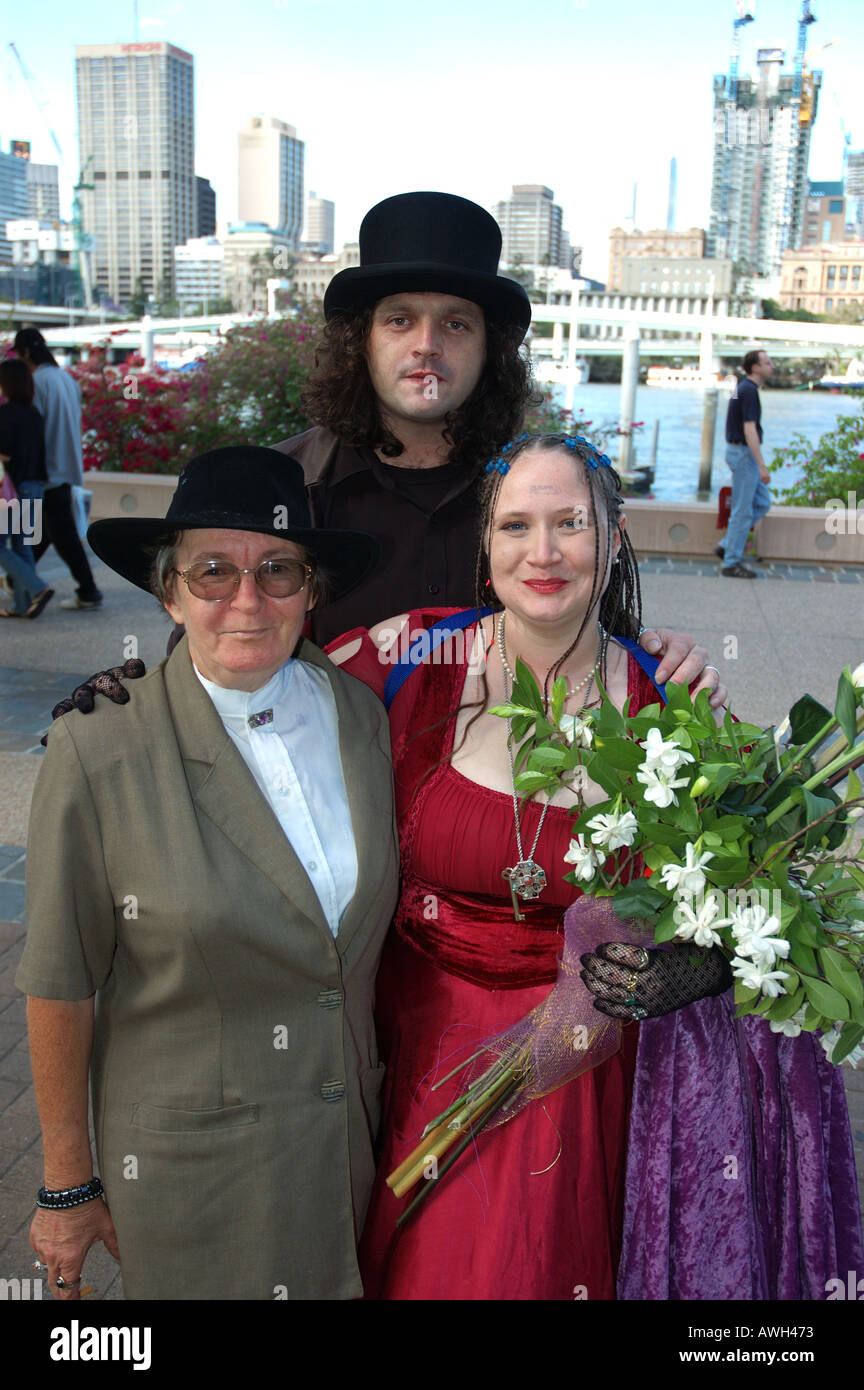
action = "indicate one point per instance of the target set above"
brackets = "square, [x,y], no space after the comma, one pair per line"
[678,699]
[850,1036]
[744,994]
[605,776]
[621,753]
[806,718]
[846,706]
[546,757]
[841,973]
[787,1005]
[665,926]
[559,695]
[637,899]
[825,998]
[719,775]
[529,782]
[813,1019]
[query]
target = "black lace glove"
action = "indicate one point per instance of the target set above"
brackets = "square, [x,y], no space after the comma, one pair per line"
[632,982]
[107,683]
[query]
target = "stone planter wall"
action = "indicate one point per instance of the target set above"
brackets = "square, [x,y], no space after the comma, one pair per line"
[665,528]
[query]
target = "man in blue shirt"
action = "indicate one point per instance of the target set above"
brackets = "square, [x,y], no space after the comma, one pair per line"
[57,397]
[751,495]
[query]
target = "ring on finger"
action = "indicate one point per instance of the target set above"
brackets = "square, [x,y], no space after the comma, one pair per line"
[632,982]
[712,668]
[37,1265]
[644,959]
[67,1283]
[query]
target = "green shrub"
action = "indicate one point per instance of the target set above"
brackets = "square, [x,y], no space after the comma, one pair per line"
[830,469]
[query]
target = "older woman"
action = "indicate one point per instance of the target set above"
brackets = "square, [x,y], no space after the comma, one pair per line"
[210,877]
[540,1209]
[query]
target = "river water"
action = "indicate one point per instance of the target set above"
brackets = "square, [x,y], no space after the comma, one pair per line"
[679,410]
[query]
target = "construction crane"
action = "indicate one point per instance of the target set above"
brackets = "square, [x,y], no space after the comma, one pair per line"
[805,110]
[79,240]
[800,57]
[847,138]
[745,16]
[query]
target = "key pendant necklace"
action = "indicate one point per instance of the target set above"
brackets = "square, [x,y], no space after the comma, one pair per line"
[527,879]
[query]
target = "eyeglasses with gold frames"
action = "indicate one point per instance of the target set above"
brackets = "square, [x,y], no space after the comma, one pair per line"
[216,580]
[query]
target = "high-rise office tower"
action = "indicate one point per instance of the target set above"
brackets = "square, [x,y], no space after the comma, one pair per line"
[206,199]
[762,130]
[43,192]
[319,231]
[855,190]
[672,208]
[270,177]
[530,222]
[136,132]
[13,196]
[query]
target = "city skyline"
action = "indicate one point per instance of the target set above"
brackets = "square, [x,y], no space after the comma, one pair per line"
[393,104]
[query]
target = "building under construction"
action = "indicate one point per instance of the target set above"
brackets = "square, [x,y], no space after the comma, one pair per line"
[762,131]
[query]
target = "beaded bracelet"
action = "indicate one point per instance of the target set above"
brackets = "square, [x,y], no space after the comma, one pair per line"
[69,1196]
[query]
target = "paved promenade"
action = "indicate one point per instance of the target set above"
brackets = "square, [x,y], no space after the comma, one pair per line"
[787,633]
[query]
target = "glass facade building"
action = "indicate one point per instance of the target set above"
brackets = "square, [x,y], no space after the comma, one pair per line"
[137,146]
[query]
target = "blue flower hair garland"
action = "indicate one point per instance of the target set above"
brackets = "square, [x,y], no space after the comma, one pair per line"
[594,459]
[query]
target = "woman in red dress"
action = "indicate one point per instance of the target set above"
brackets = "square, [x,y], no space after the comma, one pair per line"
[534,1210]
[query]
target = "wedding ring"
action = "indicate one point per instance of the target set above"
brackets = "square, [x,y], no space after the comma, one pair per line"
[66,1283]
[644,959]
[712,668]
[37,1265]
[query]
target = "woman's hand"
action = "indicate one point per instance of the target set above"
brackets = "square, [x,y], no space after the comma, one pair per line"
[683,663]
[632,982]
[61,1240]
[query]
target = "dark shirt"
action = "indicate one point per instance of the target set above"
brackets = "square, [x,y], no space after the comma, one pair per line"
[426,522]
[744,404]
[22,438]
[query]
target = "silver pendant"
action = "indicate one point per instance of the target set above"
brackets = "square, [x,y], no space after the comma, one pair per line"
[526,878]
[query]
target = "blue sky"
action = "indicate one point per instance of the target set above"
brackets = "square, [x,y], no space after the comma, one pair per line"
[586,96]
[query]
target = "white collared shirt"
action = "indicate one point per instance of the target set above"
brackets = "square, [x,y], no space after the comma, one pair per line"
[294,757]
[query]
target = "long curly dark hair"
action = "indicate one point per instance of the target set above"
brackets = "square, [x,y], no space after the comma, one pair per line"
[339,393]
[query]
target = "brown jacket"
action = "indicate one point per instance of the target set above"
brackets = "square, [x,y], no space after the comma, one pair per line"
[235,1073]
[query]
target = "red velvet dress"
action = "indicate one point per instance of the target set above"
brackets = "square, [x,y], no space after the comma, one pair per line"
[534,1210]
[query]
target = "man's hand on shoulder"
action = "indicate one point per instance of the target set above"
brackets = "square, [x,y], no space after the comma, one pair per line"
[682,662]
[107,683]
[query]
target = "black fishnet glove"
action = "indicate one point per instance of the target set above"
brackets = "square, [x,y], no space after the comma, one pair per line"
[662,981]
[107,683]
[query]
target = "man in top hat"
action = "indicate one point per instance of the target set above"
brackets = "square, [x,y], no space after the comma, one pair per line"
[419,383]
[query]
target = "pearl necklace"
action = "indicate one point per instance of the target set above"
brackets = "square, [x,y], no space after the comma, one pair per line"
[503,655]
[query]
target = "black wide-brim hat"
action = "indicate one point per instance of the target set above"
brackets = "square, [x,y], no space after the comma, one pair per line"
[242,488]
[434,242]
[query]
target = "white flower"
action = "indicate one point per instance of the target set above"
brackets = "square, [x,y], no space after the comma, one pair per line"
[828,1041]
[754,935]
[584,859]
[662,756]
[858,678]
[658,788]
[576,730]
[687,877]
[699,927]
[613,832]
[790,1027]
[752,976]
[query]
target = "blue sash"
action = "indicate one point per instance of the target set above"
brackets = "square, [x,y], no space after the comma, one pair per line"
[431,638]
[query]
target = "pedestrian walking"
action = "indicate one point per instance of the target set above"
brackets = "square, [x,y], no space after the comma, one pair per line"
[22,455]
[751,495]
[58,397]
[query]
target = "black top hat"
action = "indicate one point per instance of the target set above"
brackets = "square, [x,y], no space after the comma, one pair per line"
[429,241]
[243,488]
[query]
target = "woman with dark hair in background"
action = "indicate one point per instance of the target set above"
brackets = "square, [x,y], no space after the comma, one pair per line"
[57,396]
[22,454]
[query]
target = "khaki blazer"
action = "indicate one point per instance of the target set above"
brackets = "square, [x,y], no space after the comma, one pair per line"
[235,1074]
